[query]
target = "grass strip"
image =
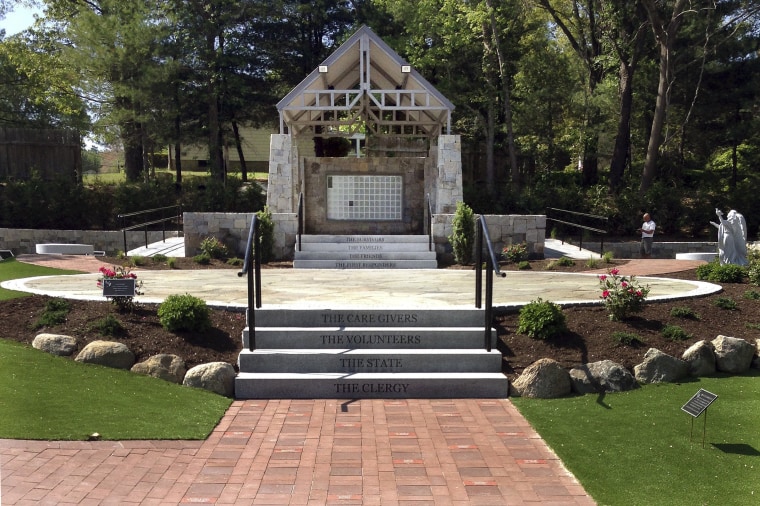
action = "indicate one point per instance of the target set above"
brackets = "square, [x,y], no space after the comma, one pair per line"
[45,397]
[634,448]
[10,268]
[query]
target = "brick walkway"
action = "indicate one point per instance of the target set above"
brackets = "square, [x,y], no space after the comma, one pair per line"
[320,452]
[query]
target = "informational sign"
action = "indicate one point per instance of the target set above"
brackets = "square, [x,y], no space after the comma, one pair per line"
[699,402]
[119,287]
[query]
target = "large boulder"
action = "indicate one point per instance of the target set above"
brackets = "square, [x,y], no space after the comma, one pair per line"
[55,344]
[602,376]
[701,358]
[659,367]
[107,353]
[732,355]
[543,379]
[164,366]
[219,377]
[756,358]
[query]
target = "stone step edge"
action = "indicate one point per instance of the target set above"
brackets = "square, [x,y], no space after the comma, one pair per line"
[363,238]
[364,376]
[371,352]
[365,264]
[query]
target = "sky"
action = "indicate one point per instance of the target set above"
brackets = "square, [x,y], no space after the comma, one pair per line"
[18,20]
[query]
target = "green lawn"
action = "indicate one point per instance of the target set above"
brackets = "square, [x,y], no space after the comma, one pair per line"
[634,448]
[53,398]
[12,269]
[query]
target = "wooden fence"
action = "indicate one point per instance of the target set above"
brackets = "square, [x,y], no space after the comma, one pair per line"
[48,153]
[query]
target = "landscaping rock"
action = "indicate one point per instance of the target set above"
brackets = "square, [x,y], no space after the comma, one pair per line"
[107,353]
[543,379]
[602,376]
[756,358]
[218,377]
[659,367]
[733,355]
[164,366]
[55,344]
[701,358]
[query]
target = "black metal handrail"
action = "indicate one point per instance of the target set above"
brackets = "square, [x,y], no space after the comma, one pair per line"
[492,266]
[429,222]
[579,226]
[144,225]
[300,218]
[252,259]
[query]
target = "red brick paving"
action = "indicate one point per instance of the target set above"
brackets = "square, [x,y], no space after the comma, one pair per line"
[308,452]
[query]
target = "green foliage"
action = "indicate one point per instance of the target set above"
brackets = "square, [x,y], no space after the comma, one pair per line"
[753,270]
[560,262]
[592,263]
[515,253]
[158,258]
[622,295]
[607,257]
[726,303]
[137,261]
[55,313]
[627,338]
[214,248]
[675,333]
[202,259]
[684,312]
[237,262]
[524,265]
[108,326]
[541,319]
[462,238]
[752,326]
[171,262]
[184,312]
[266,235]
[752,295]
[715,272]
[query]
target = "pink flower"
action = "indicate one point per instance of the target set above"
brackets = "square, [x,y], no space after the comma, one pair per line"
[605,294]
[602,277]
[623,284]
[614,272]
[638,293]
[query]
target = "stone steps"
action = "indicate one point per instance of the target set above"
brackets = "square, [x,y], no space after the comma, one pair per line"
[360,353]
[365,252]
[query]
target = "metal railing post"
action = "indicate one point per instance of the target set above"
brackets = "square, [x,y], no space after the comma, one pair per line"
[492,266]
[251,266]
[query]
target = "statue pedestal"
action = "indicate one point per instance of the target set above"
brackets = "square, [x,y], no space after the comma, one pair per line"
[707,257]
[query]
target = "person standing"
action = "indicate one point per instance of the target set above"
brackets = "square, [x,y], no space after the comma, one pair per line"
[647,236]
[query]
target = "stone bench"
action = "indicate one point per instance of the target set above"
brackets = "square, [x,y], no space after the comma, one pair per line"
[66,249]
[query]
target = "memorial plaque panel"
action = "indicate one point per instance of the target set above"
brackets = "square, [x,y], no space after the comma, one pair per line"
[121,287]
[699,402]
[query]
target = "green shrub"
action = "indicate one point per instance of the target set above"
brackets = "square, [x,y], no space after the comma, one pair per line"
[462,238]
[725,303]
[607,257]
[524,265]
[592,263]
[622,295]
[752,326]
[184,312]
[266,235]
[171,262]
[202,259]
[753,271]
[137,261]
[684,312]
[108,326]
[728,273]
[675,333]
[626,338]
[237,262]
[565,262]
[158,258]
[55,313]
[541,319]
[214,248]
[752,295]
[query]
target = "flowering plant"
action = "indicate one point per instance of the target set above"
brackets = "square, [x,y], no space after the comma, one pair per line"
[123,302]
[622,295]
[515,253]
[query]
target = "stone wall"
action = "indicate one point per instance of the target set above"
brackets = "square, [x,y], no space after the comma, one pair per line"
[23,241]
[411,170]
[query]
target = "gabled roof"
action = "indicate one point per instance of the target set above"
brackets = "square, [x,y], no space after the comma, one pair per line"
[364,84]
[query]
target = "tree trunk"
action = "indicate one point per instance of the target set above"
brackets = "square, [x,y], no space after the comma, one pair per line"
[215,154]
[239,147]
[133,160]
[621,151]
[177,152]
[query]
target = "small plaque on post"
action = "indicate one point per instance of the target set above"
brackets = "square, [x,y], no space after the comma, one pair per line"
[699,402]
[119,287]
